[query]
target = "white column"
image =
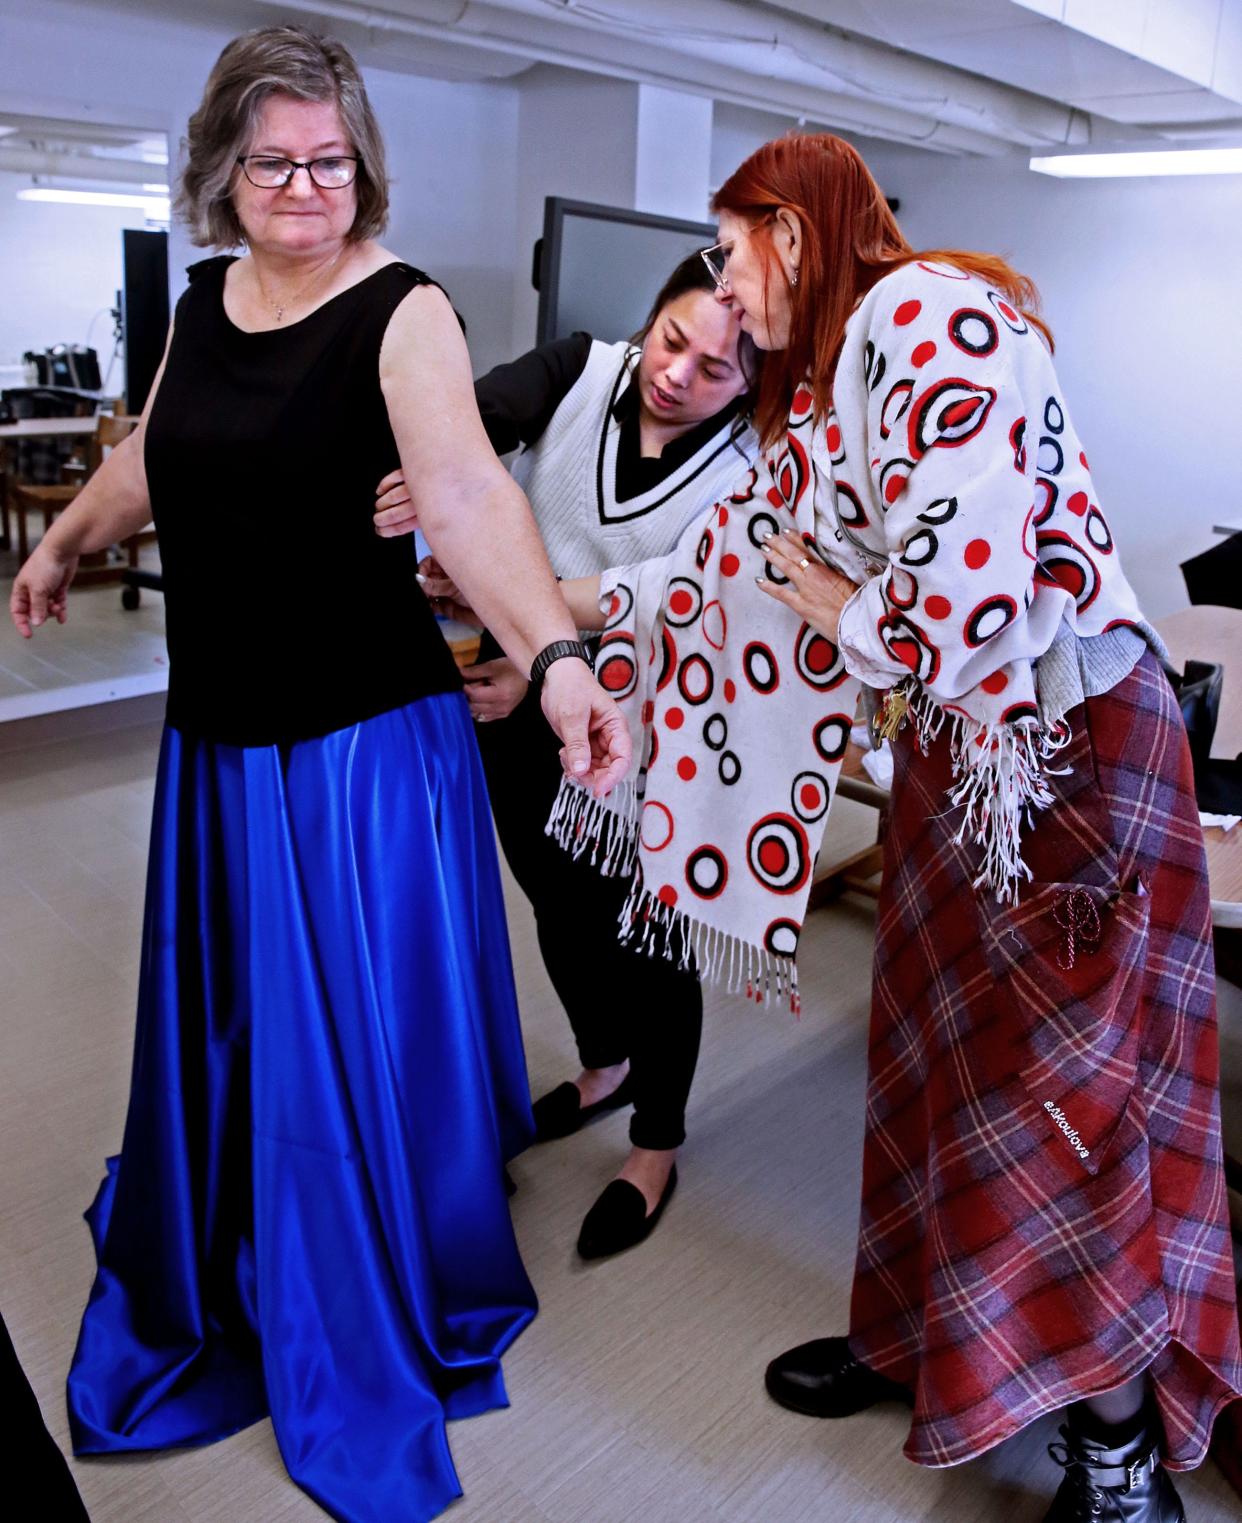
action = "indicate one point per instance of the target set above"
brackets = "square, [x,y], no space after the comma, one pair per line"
[673,153]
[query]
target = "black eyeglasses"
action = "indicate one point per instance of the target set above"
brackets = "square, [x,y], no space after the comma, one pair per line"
[266,172]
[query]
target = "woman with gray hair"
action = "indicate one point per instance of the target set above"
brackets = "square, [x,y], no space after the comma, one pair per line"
[308,1214]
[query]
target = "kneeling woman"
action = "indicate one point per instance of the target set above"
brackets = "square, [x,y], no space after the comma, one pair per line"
[624,445]
[1043,1217]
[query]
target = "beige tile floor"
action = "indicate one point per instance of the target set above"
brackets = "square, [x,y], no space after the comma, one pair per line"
[103,653]
[636,1393]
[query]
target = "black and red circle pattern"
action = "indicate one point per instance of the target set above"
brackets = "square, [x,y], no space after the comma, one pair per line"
[778,853]
[817,660]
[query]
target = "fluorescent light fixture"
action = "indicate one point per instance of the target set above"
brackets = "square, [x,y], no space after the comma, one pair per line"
[156,207]
[1160,161]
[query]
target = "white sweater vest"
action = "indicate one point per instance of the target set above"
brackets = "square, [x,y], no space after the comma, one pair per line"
[570,476]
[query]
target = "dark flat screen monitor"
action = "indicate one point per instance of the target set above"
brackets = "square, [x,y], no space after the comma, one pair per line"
[598,268]
[144,310]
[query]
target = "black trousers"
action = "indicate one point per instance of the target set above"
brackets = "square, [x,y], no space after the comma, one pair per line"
[621,1004]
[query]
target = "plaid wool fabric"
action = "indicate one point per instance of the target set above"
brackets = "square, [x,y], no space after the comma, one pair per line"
[1043,1196]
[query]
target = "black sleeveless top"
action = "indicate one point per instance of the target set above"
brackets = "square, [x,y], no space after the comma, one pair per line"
[287,616]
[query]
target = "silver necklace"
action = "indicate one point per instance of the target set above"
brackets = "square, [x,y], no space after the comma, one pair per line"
[279,308]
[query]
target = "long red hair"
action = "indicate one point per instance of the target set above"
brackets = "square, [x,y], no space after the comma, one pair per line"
[850,240]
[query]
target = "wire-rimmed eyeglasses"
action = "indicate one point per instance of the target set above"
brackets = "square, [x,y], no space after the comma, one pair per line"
[267,171]
[716,258]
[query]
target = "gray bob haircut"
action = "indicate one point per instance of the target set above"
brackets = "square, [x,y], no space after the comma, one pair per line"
[276,60]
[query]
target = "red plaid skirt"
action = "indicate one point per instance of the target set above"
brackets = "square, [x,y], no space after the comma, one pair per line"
[1043,1207]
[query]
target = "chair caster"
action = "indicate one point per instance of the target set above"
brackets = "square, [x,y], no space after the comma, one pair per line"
[131,597]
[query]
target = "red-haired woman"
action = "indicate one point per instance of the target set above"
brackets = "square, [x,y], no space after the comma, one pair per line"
[1043,1216]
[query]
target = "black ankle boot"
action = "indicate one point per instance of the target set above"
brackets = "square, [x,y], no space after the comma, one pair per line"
[823,1379]
[1124,1483]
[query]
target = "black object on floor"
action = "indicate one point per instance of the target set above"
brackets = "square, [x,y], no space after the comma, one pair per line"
[823,1379]
[36,1469]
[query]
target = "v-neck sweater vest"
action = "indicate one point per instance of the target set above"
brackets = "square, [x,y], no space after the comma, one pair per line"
[570,476]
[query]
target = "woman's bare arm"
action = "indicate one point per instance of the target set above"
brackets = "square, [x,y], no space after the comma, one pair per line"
[480,528]
[112,505]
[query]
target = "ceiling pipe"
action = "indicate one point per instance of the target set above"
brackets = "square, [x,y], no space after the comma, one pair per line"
[1225,130]
[733,34]
[525,33]
[80,166]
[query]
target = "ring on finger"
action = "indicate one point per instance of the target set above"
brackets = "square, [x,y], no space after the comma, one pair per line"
[803,563]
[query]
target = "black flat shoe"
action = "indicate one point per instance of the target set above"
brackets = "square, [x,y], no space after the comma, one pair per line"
[1124,1484]
[823,1379]
[561,1112]
[619,1220]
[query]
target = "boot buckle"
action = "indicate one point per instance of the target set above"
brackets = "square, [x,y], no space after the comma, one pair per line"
[1136,1468]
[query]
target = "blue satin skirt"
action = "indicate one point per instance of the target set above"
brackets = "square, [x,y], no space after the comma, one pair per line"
[308,1215]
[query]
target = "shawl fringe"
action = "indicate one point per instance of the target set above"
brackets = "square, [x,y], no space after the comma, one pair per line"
[607,829]
[1002,773]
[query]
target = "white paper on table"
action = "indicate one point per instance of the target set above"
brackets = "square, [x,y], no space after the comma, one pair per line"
[1224,822]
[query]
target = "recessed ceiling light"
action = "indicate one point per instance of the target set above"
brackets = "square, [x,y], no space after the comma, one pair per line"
[156,207]
[1159,161]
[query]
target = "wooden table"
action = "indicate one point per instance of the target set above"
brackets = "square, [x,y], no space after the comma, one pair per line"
[46,428]
[860,872]
[34,428]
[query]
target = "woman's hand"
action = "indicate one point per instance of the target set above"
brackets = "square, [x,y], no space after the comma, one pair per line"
[443,593]
[41,590]
[395,514]
[815,591]
[596,750]
[493,689]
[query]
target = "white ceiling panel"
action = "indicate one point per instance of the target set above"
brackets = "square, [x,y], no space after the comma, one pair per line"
[1105,56]
[1052,8]
[1118,23]
[1227,78]
[1184,38]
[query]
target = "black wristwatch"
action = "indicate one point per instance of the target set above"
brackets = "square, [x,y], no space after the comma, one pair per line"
[555,652]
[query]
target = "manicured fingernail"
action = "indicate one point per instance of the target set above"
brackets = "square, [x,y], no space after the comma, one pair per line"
[766,536]
[420,578]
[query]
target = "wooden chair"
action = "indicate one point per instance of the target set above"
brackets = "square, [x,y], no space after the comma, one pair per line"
[6,472]
[25,498]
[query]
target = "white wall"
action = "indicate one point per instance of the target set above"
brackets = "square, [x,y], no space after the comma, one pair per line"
[576,137]
[60,265]
[452,162]
[1139,282]
[452,147]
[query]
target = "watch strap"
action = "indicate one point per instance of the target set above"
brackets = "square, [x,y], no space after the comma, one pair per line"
[557,651]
